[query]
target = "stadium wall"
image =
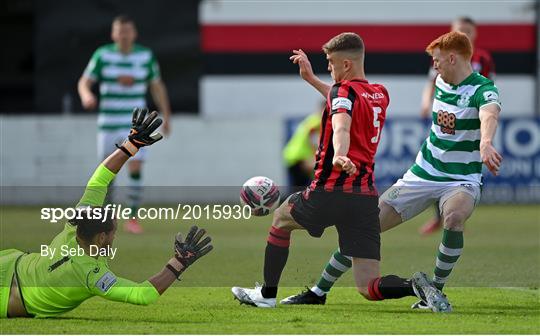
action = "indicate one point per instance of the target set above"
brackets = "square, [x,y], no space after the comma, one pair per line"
[206,160]
[288,96]
[56,156]
[245,49]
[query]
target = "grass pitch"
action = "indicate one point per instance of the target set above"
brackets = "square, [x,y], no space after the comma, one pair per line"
[213,311]
[494,287]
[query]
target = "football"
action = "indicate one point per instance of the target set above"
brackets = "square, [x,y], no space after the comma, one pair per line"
[261,194]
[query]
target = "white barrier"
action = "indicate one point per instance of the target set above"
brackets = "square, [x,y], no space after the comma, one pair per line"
[56,151]
[288,95]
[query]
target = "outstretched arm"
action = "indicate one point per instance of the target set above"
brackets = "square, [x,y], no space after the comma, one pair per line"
[186,252]
[142,134]
[96,189]
[306,72]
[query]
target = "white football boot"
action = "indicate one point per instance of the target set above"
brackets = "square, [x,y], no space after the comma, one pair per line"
[427,292]
[253,297]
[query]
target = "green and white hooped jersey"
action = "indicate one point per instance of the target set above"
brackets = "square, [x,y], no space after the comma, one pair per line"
[452,150]
[110,67]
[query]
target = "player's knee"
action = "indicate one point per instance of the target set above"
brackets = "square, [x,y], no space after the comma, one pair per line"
[281,218]
[283,225]
[388,216]
[454,220]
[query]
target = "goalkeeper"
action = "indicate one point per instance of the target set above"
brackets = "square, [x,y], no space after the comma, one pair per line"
[37,286]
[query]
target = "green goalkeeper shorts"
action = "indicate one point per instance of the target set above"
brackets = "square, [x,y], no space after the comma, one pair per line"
[8,259]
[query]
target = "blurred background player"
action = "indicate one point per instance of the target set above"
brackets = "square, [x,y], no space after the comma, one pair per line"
[124,71]
[481,62]
[33,285]
[299,152]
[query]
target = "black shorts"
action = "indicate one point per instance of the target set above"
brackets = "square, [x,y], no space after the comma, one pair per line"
[356,218]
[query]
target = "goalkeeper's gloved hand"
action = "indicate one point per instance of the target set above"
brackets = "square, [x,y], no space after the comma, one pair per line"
[142,131]
[188,251]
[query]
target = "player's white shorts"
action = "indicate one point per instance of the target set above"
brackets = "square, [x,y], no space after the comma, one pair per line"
[106,140]
[411,195]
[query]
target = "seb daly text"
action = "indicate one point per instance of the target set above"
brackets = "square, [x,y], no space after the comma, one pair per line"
[66,251]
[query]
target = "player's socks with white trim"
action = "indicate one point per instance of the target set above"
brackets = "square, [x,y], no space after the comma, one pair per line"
[307,297]
[134,193]
[275,258]
[390,287]
[449,251]
[336,266]
[317,291]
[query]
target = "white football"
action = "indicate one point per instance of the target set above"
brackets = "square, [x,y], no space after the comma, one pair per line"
[261,194]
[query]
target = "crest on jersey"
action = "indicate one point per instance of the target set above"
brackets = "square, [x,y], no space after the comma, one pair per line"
[394,193]
[464,100]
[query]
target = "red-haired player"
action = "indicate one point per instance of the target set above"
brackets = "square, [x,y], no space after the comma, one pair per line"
[481,62]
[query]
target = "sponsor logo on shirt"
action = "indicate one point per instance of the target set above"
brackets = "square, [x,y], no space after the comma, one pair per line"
[447,122]
[375,95]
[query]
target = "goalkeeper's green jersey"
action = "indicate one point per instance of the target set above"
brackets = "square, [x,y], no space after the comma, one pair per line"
[54,286]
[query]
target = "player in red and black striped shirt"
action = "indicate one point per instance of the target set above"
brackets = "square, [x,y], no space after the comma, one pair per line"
[342,193]
[365,120]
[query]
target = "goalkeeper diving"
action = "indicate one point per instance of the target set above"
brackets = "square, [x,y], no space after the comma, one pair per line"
[38,286]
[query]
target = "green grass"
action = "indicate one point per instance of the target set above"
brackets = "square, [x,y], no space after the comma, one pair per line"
[213,311]
[502,250]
